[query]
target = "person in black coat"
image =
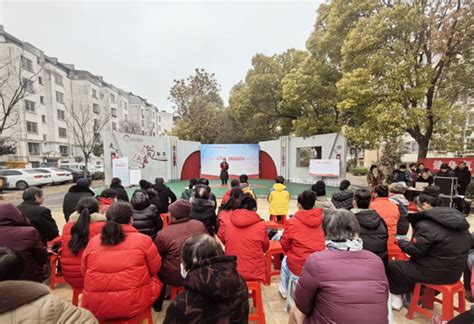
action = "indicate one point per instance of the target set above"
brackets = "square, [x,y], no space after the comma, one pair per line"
[116,185]
[373,230]
[76,192]
[204,209]
[145,215]
[401,175]
[464,177]
[426,177]
[446,171]
[343,198]
[438,249]
[165,195]
[40,217]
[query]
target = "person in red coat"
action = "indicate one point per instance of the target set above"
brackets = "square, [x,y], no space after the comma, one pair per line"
[227,209]
[106,199]
[119,268]
[233,184]
[245,236]
[76,235]
[302,236]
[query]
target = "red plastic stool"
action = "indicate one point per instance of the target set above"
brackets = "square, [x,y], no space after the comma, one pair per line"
[275,250]
[166,219]
[56,277]
[282,219]
[75,296]
[255,292]
[447,291]
[146,315]
[175,291]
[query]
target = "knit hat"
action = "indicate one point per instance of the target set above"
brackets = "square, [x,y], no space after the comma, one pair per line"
[180,209]
[83,183]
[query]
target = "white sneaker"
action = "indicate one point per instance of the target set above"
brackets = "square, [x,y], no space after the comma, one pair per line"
[396,302]
[283,293]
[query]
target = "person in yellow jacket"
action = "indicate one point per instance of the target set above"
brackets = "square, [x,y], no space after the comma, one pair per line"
[279,198]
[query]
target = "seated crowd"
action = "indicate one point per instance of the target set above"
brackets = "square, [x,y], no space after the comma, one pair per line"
[121,256]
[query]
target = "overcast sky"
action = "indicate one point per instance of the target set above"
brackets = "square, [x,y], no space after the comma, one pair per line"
[142,46]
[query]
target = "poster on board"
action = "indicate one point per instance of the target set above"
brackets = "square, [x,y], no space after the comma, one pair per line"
[120,170]
[135,176]
[325,168]
[242,159]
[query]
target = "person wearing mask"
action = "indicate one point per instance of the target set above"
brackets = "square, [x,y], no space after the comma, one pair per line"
[189,191]
[425,177]
[397,195]
[302,236]
[164,194]
[373,230]
[76,192]
[401,175]
[203,209]
[446,171]
[375,177]
[145,215]
[438,248]
[106,199]
[120,268]
[224,175]
[75,237]
[31,302]
[213,289]
[245,236]
[344,284]
[234,183]
[40,217]
[321,200]
[464,177]
[279,199]
[116,185]
[386,209]
[169,242]
[343,197]
[18,234]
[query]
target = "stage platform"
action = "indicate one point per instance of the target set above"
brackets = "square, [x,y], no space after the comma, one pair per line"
[261,187]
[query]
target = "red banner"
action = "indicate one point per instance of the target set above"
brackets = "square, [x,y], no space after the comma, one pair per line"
[434,163]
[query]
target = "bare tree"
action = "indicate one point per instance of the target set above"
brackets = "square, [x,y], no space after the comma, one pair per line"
[14,87]
[130,127]
[86,127]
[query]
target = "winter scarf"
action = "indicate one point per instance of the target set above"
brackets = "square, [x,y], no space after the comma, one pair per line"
[348,245]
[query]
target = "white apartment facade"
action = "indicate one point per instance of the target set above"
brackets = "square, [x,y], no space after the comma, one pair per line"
[41,135]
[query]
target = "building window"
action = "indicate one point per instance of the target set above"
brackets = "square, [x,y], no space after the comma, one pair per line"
[45,137]
[96,108]
[159,119]
[94,93]
[64,150]
[34,148]
[413,147]
[28,84]
[42,100]
[62,132]
[114,126]
[27,64]
[304,154]
[470,121]
[43,119]
[29,105]
[40,80]
[32,127]
[59,97]
[58,79]
[112,98]
[114,112]
[61,114]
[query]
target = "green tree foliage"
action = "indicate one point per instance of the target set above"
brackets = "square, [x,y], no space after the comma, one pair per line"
[198,105]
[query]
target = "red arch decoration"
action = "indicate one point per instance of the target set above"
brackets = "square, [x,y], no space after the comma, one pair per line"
[267,166]
[192,166]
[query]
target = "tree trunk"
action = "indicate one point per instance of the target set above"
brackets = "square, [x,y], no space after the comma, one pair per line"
[423,144]
[86,165]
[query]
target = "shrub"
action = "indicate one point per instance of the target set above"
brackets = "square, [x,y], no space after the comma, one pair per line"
[360,171]
[99,175]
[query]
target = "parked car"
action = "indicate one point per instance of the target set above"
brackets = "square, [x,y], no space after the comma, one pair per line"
[23,178]
[58,175]
[77,174]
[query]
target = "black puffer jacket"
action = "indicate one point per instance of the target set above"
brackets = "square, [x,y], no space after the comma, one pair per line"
[166,197]
[146,218]
[343,199]
[373,232]
[440,244]
[214,293]
[121,192]
[71,199]
[204,210]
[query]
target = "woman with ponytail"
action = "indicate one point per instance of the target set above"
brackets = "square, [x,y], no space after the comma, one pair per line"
[85,223]
[120,268]
[438,248]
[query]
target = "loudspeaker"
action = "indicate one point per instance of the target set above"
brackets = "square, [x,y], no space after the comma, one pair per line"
[447,186]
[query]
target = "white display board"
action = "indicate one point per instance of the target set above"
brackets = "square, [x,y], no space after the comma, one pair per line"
[120,170]
[325,168]
[135,176]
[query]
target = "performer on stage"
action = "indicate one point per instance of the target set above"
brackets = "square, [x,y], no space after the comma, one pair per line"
[224,172]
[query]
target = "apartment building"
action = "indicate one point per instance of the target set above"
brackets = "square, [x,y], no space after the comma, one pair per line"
[41,134]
